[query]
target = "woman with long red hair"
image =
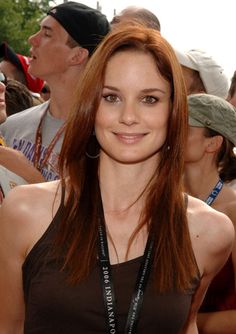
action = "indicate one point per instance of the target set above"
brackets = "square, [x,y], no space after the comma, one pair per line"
[114,246]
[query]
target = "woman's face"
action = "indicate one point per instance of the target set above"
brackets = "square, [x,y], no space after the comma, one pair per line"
[131,121]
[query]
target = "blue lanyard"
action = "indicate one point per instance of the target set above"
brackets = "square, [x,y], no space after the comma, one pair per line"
[210,199]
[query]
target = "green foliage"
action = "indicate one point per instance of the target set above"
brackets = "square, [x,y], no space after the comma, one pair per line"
[19,19]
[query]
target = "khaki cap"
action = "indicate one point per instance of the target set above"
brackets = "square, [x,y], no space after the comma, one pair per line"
[210,111]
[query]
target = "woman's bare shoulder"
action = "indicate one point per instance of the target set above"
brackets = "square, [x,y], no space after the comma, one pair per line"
[27,211]
[202,215]
[31,196]
[211,231]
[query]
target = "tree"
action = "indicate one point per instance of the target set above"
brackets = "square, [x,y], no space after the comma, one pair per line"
[19,19]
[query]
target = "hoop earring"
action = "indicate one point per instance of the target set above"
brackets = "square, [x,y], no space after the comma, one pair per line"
[93,147]
[92,156]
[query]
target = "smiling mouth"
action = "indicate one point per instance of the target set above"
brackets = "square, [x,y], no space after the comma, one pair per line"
[130,138]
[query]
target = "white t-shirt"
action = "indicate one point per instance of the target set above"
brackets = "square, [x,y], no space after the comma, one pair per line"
[19,132]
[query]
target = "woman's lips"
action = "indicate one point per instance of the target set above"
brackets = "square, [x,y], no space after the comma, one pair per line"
[130,138]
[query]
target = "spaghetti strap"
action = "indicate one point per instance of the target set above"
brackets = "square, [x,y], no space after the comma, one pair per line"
[63,191]
[186,200]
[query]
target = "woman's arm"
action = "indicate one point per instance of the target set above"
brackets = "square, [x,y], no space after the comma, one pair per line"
[217,322]
[213,239]
[222,321]
[25,214]
[12,254]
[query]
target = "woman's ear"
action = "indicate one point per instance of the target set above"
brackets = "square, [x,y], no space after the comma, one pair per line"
[214,144]
[79,56]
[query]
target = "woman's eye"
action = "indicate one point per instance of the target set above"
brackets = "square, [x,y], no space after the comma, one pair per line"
[149,99]
[111,98]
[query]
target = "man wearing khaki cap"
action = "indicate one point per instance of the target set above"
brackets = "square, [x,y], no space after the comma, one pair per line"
[60,50]
[210,164]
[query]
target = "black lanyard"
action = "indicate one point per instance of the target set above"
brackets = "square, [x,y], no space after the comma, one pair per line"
[215,192]
[108,289]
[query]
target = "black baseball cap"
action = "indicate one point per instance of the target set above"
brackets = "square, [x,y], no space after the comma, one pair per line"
[87,26]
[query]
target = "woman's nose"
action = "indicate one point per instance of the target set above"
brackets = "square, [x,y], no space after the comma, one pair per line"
[128,114]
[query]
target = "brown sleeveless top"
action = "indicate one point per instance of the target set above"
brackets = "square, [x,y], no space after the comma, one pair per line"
[54,307]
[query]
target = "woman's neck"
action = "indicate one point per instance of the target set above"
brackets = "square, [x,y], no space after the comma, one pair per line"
[123,185]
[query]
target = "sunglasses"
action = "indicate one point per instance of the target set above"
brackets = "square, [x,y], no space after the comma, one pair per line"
[3,78]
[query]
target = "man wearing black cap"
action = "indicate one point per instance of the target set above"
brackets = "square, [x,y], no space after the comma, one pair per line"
[60,50]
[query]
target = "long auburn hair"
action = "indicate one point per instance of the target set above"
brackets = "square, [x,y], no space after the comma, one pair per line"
[174,264]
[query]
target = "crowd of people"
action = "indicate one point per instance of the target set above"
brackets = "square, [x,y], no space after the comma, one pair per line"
[117,181]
